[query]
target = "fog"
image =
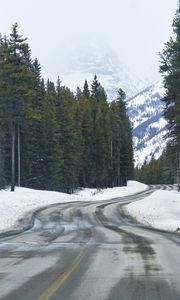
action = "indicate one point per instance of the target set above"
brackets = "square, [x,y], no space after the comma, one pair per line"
[135,29]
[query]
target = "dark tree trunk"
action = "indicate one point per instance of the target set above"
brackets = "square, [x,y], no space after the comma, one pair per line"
[19,157]
[13,159]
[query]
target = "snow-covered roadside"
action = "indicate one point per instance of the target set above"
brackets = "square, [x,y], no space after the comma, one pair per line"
[160,210]
[13,206]
[109,193]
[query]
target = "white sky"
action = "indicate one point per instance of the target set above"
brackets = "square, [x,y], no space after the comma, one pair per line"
[136,29]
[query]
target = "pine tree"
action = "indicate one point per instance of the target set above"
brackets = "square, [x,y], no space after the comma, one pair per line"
[97,91]
[121,167]
[32,143]
[102,144]
[170,68]
[78,93]
[52,152]
[87,177]
[16,92]
[68,140]
[58,86]
[86,91]
[126,136]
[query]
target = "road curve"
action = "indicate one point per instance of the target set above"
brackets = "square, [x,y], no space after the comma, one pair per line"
[90,250]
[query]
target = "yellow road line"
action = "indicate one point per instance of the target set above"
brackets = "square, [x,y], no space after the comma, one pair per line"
[61,279]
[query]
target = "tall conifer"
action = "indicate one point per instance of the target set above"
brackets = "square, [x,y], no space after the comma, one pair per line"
[170,68]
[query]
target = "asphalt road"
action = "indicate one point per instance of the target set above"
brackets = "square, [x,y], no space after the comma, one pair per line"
[92,251]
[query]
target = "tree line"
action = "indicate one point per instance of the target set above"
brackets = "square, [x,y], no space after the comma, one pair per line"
[51,138]
[158,171]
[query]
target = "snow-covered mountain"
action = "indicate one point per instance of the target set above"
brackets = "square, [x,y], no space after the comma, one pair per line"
[98,58]
[149,126]
[145,108]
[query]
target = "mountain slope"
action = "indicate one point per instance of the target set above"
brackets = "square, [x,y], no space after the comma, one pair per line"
[149,126]
[83,63]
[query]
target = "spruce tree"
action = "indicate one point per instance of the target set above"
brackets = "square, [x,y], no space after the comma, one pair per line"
[126,136]
[78,93]
[52,151]
[15,90]
[95,89]
[121,142]
[170,68]
[32,143]
[58,86]
[87,177]
[68,140]
[86,91]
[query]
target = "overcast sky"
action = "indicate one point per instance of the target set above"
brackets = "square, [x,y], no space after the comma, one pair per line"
[136,29]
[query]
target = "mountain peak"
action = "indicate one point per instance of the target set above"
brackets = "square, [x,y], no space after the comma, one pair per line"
[100,59]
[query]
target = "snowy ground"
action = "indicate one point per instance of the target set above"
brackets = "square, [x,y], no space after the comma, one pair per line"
[13,206]
[160,210]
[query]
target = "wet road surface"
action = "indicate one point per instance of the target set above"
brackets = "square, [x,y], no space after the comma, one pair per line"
[90,250]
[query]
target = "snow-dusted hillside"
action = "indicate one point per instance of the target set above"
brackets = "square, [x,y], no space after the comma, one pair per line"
[149,126]
[83,63]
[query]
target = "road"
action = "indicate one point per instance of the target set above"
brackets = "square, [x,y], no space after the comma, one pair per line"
[90,250]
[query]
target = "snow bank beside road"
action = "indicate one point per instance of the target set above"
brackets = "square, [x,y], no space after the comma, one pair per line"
[160,210]
[14,205]
[109,193]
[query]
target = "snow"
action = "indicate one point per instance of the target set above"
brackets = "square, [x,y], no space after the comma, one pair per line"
[149,126]
[14,205]
[98,58]
[109,193]
[160,124]
[160,210]
[153,147]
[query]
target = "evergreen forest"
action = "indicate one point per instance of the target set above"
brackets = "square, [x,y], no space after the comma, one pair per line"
[52,138]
